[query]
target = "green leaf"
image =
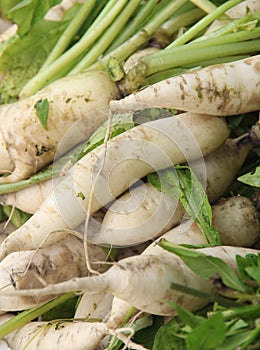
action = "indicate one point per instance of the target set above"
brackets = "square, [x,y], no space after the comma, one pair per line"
[169,337]
[187,317]
[3,216]
[208,335]
[28,12]
[42,110]
[204,265]
[249,266]
[22,57]
[236,341]
[252,179]
[146,335]
[17,216]
[181,183]
[63,310]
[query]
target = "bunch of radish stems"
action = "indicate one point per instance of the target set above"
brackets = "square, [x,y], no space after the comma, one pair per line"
[108,41]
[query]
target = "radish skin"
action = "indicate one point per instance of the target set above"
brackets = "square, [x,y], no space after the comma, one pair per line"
[237,219]
[146,213]
[223,165]
[218,90]
[130,156]
[137,216]
[25,146]
[188,232]
[94,306]
[145,281]
[30,198]
[57,336]
[46,265]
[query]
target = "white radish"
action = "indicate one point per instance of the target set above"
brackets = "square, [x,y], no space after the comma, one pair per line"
[189,233]
[216,90]
[144,213]
[237,220]
[137,216]
[109,170]
[145,281]
[94,306]
[223,165]
[25,146]
[46,265]
[61,335]
[30,198]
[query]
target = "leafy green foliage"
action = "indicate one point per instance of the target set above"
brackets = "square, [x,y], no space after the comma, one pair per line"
[252,179]
[181,183]
[204,265]
[26,13]
[22,57]
[222,328]
[17,216]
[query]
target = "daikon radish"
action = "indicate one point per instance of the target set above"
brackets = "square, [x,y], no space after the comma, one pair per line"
[26,145]
[222,89]
[109,170]
[46,265]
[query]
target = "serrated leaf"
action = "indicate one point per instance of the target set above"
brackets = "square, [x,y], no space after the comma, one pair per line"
[252,179]
[42,110]
[204,265]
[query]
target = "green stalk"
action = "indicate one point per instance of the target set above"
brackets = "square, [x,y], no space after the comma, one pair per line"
[203,23]
[254,335]
[106,39]
[163,15]
[56,69]
[244,22]
[205,5]
[169,73]
[70,31]
[182,20]
[188,54]
[131,45]
[26,316]
[135,24]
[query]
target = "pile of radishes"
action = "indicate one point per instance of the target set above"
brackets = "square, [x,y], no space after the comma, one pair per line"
[104,202]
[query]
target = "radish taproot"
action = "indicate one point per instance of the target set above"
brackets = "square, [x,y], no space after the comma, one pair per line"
[67,100]
[145,281]
[218,90]
[144,213]
[107,171]
[44,266]
[57,335]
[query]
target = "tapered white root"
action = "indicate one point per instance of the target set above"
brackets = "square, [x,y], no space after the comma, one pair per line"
[39,268]
[145,281]
[25,146]
[216,90]
[57,336]
[106,172]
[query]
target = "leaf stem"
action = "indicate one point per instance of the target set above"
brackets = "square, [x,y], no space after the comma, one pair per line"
[70,31]
[26,316]
[57,67]
[203,23]
[105,40]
